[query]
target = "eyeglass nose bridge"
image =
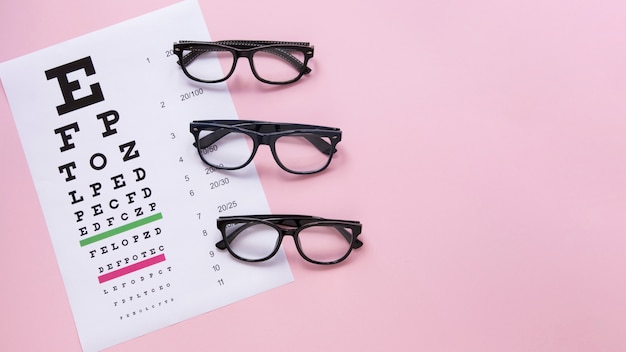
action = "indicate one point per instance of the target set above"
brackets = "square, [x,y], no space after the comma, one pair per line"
[265,139]
[288,232]
[245,54]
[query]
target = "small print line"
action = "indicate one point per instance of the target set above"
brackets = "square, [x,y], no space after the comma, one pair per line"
[131,268]
[123,228]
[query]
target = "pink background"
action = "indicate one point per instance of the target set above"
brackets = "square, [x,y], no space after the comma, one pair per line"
[484,152]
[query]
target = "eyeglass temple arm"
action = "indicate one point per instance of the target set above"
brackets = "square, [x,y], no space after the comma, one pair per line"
[287,56]
[192,55]
[222,243]
[211,138]
[319,143]
[297,64]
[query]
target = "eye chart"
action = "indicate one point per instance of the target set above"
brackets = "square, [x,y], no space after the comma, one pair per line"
[129,205]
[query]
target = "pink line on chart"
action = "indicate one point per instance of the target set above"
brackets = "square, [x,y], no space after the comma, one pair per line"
[131,268]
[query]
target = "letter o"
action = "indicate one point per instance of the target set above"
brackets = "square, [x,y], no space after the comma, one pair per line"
[103,161]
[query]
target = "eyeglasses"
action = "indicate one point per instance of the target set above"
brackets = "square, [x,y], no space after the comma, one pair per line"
[255,238]
[297,148]
[271,62]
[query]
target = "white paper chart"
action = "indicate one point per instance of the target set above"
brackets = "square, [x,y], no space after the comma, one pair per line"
[129,205]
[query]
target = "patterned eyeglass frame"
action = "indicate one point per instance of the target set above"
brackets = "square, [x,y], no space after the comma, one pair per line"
[247,49]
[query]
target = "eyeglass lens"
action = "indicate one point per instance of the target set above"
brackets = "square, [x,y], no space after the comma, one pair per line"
[252,241]
[297,152]
[272,64]
[257,241]
[206,64]
[223,148]
[323,243]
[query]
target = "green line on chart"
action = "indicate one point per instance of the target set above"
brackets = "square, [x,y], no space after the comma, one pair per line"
[123,228]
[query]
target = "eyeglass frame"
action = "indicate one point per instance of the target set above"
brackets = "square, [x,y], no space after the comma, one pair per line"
[298,223]
[247,49]
[269,139]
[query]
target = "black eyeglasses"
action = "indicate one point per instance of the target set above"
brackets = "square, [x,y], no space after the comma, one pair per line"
[255,238]
[271,61]
[297,148]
